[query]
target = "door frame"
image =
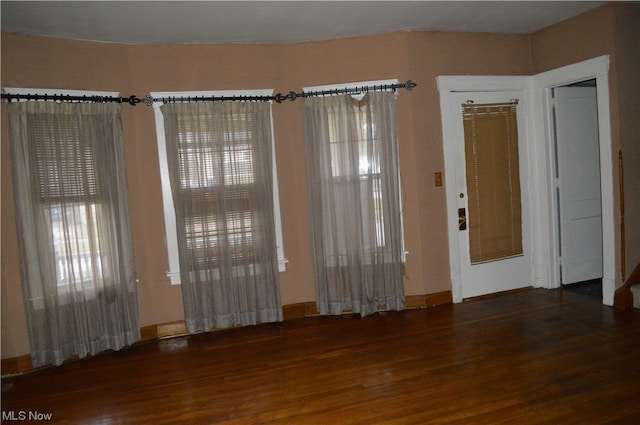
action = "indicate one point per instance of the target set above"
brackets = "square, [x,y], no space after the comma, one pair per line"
[545,235]
[548,232]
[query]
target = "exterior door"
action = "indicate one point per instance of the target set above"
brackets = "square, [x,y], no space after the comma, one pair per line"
[493,198]
[578,173]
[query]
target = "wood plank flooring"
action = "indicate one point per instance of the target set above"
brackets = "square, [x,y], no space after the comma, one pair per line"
[531,357]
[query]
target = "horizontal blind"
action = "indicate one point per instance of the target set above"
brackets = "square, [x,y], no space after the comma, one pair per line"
[65,161]
[218,164]
[493,181]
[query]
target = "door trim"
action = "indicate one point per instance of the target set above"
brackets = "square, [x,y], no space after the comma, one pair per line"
[544,233]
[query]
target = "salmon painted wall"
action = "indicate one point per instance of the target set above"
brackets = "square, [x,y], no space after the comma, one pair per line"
[614,30]
[31,61]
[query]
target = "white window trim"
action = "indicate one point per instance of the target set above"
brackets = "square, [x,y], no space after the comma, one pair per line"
[359,96]
[167,197]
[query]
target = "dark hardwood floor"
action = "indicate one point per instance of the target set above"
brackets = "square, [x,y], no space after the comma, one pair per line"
[531,357]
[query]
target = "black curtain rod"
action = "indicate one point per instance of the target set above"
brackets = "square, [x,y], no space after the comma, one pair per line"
[408,85]
[172,99]
[279,98]
[149,100]
[132,100]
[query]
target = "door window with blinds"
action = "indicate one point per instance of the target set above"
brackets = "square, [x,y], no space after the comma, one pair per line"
[493,181]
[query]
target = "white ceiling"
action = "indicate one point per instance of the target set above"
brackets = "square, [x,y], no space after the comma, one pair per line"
[150,22]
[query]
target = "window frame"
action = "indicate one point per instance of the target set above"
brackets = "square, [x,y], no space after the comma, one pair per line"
[171,237]
[359,96]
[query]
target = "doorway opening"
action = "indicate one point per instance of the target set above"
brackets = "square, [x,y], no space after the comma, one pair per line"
[577,185]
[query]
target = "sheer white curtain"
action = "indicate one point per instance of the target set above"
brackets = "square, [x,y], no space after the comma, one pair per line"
[76,253]
[353,176]
[219,159]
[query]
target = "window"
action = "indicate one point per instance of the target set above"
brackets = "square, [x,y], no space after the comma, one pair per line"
[75,262]
[368,175]
[220,173]
[70,196]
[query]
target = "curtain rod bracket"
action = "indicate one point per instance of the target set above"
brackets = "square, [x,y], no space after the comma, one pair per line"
[148,100]
[279,98]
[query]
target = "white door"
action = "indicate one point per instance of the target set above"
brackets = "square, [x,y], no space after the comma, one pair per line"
[507,272]
[578,173]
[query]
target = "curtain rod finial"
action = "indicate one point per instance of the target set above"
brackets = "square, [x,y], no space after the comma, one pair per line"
[409,85]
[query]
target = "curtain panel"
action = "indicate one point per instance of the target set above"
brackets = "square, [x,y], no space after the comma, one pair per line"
[353,176]
[219,157]
[75,247]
